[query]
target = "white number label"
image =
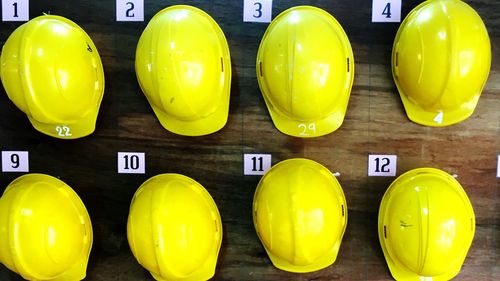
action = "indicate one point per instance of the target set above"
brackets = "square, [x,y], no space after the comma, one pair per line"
[15,10]
[256,164]
[129,10]
[257,10]
[63,131]
[382,165]
[386,11]
[439,118]
[131,163]
[498,166]
[307,129]
[15,161]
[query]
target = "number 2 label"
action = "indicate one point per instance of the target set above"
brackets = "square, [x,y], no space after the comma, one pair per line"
[129,10]
[15,10]
[382,165]
[386,11]
[257,10]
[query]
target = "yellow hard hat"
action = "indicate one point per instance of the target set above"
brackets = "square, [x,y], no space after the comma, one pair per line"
[300,215]
[183,67]
[51,70]
[174,228]
[440,62]
[45,229]
[305,70]
[425,225]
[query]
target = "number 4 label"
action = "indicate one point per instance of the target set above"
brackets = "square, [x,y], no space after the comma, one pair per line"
[256,164]
[257,10]
[131,163]
[15,161]
[386,11]
[129,10]
[15,10]
[382,165]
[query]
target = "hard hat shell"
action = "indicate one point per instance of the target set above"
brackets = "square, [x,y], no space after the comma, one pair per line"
[174,228]
[440,62]
[51,70]
[300,215]
[184,69]
[305,70]
[426,225]
[46,230]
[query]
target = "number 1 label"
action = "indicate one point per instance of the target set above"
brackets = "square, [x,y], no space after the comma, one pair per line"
[386,11]
[257,10]
[15,161]
[382,165]
[256,164]
[131,163]
[129,10]
[15,10]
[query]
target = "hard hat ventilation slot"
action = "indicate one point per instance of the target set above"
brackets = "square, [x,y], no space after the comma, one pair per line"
[216,228]
[348,65]
[385,232]
[396,59]
[222,64]
[260,68]
[471,224]
[342,210]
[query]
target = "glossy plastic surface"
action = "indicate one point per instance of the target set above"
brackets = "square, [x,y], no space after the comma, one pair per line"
[440,62]
[51,70]
[300,215]
[305,70]
[174,228]
[426,225]
[184,68]
[46,230]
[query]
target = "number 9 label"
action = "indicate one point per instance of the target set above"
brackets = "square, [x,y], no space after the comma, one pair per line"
[257,10]
[15,161]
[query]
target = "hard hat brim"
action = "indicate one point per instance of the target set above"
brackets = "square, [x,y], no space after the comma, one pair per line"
[78,129]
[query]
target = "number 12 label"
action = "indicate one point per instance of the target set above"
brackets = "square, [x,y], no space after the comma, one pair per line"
[257,10]
[256,164]
[129,10]
[382,165]
[15,10]
[15,161]
[386,11]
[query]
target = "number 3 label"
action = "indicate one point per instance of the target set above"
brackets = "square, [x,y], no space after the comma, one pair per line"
[15,161]
[382,165]
[257,10]
[386,11]
[256,164]
[15,10]
[129,10]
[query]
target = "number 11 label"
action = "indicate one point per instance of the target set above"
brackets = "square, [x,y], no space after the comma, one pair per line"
[382,165]
[386,11]
[256,164]
[257,10]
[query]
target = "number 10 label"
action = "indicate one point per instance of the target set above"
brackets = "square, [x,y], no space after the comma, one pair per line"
[382,165]
[131,163]
[257,10]
[386,11]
